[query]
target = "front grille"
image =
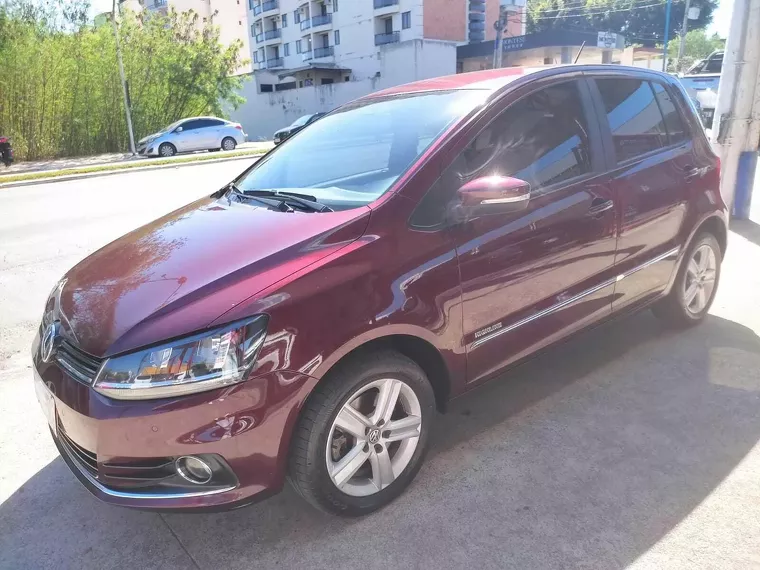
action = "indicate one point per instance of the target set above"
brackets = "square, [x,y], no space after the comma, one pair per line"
[80,365]
[85,458]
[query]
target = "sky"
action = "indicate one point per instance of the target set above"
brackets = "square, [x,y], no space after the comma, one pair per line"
[720,24]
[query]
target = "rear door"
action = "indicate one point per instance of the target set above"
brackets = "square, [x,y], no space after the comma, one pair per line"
[532,277]
[651,160]
[211,133]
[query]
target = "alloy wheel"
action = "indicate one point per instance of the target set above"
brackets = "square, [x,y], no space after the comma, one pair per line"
[228,144]
[374,437]
[699,280]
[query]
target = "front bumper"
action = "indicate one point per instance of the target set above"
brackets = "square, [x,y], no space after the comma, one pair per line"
[110,445]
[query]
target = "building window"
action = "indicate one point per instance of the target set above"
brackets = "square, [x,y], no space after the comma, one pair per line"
[266,88]
[298,46]
[284,20]
[388,25]
[296,17]
[300,83]
[255,57]
[253,31]
[337,37]
[250,4]
[285,86]
[347,79]
[406,20]
[286,50]
[327,80]
[335,6]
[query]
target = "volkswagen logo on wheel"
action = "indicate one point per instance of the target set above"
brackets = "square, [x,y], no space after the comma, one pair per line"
[47,344]
[374,436]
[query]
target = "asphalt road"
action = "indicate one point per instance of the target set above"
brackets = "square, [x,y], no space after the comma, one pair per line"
[628,446]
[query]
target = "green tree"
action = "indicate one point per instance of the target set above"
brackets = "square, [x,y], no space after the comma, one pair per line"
[697,45]
[640,21]
[60,93]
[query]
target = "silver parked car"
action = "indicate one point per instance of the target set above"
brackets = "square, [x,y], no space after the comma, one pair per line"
[196,133]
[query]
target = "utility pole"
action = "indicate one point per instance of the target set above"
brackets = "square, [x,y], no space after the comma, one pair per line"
[684,29]
[499,26]
[667,33]
[123,80]
[736,127]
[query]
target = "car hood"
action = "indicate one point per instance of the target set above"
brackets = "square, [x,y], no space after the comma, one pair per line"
[149,137]
[181,272]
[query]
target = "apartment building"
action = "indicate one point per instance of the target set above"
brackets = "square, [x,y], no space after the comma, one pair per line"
[230,15]
[313,55]
[347,35]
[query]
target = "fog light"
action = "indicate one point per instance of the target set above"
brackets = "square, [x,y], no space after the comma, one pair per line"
[193,469]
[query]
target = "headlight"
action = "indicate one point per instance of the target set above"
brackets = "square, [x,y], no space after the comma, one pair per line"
[196,363]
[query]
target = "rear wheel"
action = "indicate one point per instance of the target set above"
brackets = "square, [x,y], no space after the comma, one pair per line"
[229,144]
[695,286]
[167,149]
[362,435]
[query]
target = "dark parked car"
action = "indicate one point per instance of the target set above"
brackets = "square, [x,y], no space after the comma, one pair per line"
[307,320]
[297,125]
[6,151]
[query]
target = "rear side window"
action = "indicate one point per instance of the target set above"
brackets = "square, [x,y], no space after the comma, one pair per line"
[673,121]
[634,117]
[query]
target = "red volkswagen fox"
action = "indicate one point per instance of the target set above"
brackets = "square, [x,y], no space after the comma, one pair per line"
[307,320]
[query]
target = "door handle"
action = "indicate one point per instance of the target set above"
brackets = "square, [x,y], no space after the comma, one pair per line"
[599,206]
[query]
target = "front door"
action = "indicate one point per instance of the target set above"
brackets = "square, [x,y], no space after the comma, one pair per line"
[532,277]
[651,158]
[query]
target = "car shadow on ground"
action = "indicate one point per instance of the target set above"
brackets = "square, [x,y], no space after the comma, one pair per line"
[747,229]
[585,456]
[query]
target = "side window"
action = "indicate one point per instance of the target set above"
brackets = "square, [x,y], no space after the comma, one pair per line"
[190,125]
[635,120]
[542,139]
[673,121]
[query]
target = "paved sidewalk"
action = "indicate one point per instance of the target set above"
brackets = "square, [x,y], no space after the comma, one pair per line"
[101,159]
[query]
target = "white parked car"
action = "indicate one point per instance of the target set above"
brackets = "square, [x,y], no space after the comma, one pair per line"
[195,133]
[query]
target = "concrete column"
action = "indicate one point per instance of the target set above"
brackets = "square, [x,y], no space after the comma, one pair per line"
[567,55]
[607,56]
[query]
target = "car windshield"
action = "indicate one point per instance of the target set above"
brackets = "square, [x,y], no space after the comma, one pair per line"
[301,121]
[353,155]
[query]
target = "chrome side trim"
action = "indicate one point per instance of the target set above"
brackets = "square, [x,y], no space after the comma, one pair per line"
[545,312]
[649,263]
[126,495]
[566,302]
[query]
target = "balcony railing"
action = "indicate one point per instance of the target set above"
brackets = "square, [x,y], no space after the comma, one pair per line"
[385,3]
[256,9]
[272,34]
[324,52]
[382,39]
[271,5]
[275,62]
[321,20]
[259,37]
[159,3]
[305,24]
[307,55]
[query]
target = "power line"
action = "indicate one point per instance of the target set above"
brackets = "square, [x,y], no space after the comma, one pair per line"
[583,15]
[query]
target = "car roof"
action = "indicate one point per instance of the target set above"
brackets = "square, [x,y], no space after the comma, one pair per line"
[496,79]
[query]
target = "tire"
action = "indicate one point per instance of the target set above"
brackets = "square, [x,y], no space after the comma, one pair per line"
[680,309]
[166,150]
[385,461]
[228,143]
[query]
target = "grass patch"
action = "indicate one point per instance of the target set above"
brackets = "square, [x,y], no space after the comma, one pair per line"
[41,175]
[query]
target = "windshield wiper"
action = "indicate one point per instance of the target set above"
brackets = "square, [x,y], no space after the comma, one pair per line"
[304,200]
[280,204]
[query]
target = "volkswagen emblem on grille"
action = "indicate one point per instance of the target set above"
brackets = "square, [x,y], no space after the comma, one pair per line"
[47,344]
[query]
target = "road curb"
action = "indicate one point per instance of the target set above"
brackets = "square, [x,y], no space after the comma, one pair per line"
[123,171]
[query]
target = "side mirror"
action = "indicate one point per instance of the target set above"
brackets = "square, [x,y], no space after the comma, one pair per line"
[493,195]
[178,129]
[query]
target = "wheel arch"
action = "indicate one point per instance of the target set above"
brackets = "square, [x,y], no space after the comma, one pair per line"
[717,227]
[418,349]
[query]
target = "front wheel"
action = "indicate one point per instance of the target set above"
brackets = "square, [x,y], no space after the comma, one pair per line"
[166,150]
[695,285]
[362,435]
